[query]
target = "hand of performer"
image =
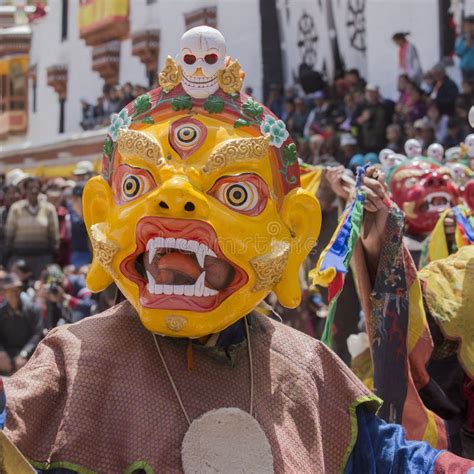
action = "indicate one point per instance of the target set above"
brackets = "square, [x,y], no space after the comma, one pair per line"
[6,366]
[377,208]
[450,226]
[340,188]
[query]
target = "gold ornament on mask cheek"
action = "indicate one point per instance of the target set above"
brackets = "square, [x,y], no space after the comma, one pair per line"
[175,323]
[171,75]
[104,249]
[132,143]
[231,78]
[235,151]
[269,267]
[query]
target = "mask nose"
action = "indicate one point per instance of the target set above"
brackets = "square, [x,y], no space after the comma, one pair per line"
[199,72]
[177,197]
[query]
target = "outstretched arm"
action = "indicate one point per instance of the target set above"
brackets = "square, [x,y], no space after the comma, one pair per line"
[383,447]
[374,226]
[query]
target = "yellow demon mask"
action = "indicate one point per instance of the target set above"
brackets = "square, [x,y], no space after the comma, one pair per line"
[198,214]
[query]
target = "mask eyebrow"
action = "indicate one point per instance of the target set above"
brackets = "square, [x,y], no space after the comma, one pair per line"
[136,143]
[236,150]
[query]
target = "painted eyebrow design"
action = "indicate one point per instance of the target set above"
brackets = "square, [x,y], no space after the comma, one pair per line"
[236,150]
[136,143]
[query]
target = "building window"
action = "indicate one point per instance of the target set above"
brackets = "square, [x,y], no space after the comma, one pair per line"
[149,2]
[64,20]
[17,90]
[203,16]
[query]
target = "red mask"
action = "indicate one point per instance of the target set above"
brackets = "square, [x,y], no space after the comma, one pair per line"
[468,194]
[422,189]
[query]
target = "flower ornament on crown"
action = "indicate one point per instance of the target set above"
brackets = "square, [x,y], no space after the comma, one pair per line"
[199,213]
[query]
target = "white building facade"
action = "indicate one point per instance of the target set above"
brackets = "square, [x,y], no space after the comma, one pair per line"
[78,46]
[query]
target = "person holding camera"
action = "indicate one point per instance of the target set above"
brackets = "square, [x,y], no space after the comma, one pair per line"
[21,326]
[63,299]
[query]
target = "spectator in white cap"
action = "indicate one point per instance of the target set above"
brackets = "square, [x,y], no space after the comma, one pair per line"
[348,148]
[15,177]
[84,170]
[445,90]
[318,114]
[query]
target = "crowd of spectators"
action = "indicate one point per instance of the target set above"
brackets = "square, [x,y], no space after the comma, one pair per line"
[112,100]
[44,258]
[350,117]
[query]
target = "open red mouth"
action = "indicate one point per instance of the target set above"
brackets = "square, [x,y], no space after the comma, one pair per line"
[436,202]
[178,265]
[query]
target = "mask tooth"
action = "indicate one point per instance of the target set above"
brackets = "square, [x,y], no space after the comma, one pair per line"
[170,243]
[151,282]
[192,246]
[181,244]
[188,290]
[201,255]
[211,253]
[199,285]
[151,253]
[209,291]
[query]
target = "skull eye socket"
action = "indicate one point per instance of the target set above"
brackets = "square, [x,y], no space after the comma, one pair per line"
[189,58]
[211,58]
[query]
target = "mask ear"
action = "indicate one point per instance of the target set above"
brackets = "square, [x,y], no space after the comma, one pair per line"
[302,215]
[97,200]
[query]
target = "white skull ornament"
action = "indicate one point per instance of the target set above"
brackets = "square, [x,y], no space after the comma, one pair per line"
[392,161]
[469,142]
[453,154]
[436,152]
[471,117]
[413,148]
[384,154]
[459,173]
[384,158]
[201,56]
